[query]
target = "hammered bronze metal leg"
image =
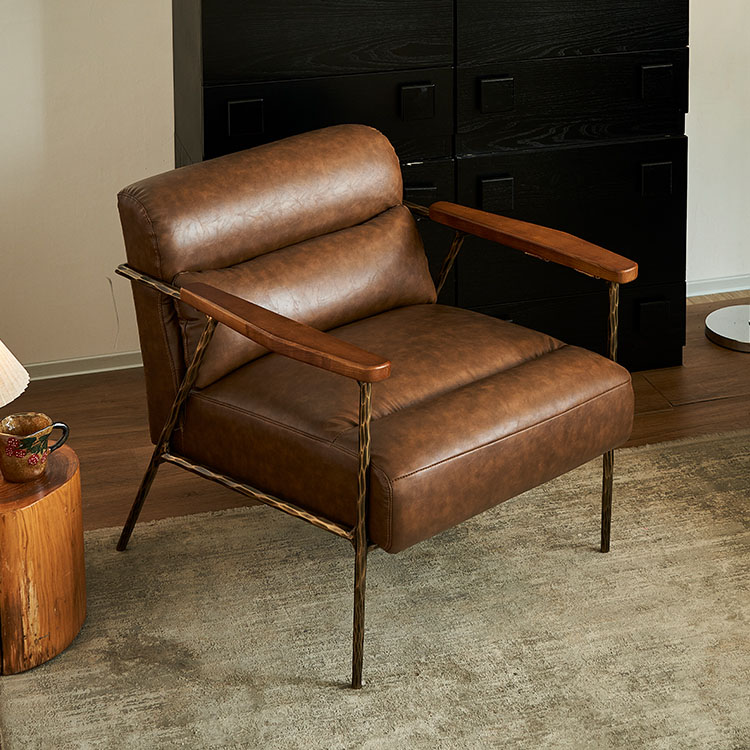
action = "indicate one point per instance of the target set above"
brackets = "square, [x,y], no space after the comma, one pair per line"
[613,320]
[360,533]
[163,443]
[609,456]
[449,260]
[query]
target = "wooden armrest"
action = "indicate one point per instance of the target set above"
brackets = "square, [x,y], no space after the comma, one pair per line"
[541,242]
[285,336]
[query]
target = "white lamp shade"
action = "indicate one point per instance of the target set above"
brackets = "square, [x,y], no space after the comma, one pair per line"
[13,376]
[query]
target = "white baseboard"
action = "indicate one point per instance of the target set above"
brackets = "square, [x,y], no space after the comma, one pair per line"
[84,365]
[718,285]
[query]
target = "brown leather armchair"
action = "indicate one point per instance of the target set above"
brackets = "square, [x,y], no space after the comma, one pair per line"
[334,388]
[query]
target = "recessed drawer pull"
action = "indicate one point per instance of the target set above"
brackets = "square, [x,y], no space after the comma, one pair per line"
[657,81]
[656,179]
[245,117]
[417,101]
[496,194]
[423,195]
[497,94]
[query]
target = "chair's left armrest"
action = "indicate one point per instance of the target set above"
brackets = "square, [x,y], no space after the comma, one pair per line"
[541,242]
[285,336]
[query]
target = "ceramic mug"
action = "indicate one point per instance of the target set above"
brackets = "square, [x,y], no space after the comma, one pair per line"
[23,445]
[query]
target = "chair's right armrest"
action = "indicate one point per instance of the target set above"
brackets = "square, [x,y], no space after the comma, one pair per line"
[541,242]
[285,336]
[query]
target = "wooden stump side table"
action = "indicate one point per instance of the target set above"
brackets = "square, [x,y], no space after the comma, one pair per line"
[42,574]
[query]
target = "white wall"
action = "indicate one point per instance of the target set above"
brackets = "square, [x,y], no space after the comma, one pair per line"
[718,126]
[85,108]
[86,98]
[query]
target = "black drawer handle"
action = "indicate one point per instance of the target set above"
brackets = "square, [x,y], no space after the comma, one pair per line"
[497,94]
[656,179]
[417,101]
[654,318]
[245,117]
[657,82]
[496,194]
[422,195]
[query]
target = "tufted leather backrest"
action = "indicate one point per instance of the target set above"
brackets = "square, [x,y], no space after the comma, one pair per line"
[311,227]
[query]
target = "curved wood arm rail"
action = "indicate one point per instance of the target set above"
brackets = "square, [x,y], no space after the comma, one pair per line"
[541,242]
[285,336]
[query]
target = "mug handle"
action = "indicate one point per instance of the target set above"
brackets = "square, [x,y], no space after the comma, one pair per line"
[65,432]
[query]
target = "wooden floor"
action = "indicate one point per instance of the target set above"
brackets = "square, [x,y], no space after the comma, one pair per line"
[709,393]
[107,417]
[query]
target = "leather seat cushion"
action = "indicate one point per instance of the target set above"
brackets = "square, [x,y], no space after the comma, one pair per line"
[476,411]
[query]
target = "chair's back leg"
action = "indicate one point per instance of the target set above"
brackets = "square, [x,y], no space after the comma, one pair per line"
[360,533]
[163,442]
[609,456]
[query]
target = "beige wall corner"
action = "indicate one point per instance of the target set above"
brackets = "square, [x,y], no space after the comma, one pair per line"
[86,109]
[719,151]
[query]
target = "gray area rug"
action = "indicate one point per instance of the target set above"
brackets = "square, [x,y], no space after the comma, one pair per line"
[232,629]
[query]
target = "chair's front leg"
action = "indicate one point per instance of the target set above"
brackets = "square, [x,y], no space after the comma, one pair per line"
[609,456]
[360,533]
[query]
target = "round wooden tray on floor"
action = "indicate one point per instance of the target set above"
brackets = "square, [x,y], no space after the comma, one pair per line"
[42,574]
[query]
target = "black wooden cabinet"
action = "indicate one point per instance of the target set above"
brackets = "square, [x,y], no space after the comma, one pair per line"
[568,113]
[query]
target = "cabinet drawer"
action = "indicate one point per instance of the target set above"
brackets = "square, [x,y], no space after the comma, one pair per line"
[414,109]
[572,100]
[250,41]
[629,198]
[492,30]
[424,183]
[651,331]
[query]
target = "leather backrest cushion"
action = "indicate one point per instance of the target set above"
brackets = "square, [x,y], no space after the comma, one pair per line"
[324,282]
[228,210]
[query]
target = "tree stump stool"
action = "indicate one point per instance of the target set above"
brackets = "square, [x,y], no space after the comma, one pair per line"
[42,574]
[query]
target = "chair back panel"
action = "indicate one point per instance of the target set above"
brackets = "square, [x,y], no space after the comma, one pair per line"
[324,282]
[228,210]
[311,227]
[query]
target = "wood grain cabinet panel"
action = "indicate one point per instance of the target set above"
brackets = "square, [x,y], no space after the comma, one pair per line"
[595,192]
[568,113]
[492,30]
[391,102]
[652,321]
[538,103]
[250,40]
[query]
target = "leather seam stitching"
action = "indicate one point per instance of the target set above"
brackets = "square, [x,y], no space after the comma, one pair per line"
[506,437]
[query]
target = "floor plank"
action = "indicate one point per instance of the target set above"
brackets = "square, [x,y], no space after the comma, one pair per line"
[647,397]
[702,418]
[709,371]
